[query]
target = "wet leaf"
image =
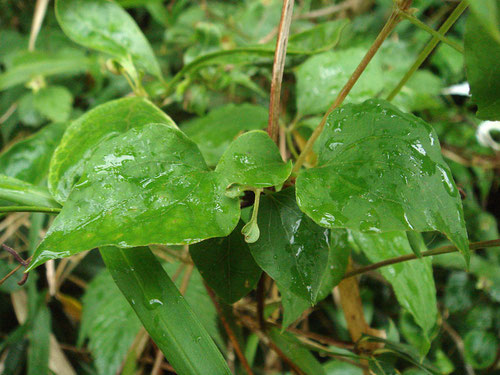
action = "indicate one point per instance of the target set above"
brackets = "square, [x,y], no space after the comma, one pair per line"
[86,133]
[104,26]
[227,265]
[413,282]
[149,185]
[164,312]
[292,249]
[381,170]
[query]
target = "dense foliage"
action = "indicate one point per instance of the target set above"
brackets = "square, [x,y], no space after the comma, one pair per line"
[249,187]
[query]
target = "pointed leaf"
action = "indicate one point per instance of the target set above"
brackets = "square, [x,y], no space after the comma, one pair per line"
[163,311]
[381,170]
[86,133]
[227,265]
[292,249]
[106,27]
[149,185]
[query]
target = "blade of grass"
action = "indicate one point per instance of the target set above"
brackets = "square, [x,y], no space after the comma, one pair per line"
[163,311]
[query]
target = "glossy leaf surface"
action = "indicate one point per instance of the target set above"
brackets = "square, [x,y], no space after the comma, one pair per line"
[87,132]
[163,311]
[482,53]
[214,132]
[104,26]
[292,249]
[253,160]
[381,170]
[148,185]
[28,160]
[413,282]
[109,323]
[227,265]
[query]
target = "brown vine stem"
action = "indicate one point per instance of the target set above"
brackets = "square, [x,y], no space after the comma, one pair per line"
[229,332]
[440,250]
[278,68]
[389,26]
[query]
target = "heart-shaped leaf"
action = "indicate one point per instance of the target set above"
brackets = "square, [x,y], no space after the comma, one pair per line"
[148,185]
[85,134]
[106,27]
[381,170]
[151,185]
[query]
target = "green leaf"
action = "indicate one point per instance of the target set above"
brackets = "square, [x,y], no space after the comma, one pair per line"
[227,265]
[292,249]
[24,193]
[39,349]
[336,367]
[214,132]
[482,53]
[54,102]
[480,348]
[293,306]
[413,282]
[253,160]
[104,26]
[338,259]
[109,323]
[86,133]
[28,160]
[149,185]
[381,170]
[27,112]
[402,351]
[321,78]
[34,64]
[305,42]
[299,355]
[198,299]
[163,311]
[488,12]
[321,37]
